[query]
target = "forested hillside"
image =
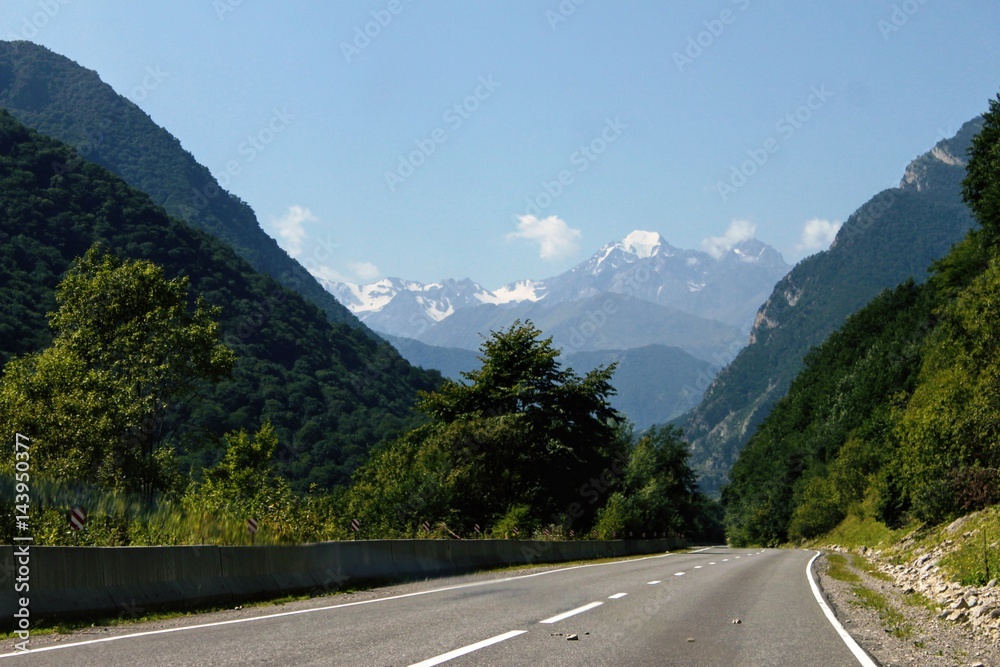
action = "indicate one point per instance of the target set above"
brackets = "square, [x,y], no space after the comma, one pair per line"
[331,391]
[57,97]
[893,237]
[895,415]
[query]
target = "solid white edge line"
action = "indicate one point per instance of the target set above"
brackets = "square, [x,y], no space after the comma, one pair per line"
[451,655]
[312,610]
[859,653]
[572,612]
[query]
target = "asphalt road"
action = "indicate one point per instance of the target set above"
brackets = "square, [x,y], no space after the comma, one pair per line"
[676,609]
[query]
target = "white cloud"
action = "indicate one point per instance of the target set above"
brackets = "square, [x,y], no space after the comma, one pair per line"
[817,235]
[738,232]
[324,273]
[367,271]
[291,230]
[555,238]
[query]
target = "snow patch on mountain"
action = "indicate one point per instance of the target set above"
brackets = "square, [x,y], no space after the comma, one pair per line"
[643,244]
[522,290]
[725,282]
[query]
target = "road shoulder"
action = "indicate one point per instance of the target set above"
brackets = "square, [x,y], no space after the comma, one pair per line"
[896,627]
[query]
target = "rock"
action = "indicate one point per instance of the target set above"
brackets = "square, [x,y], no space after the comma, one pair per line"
[991,583]
[956,524]
[690,640]
[956,616]
[736,621]
[572,638]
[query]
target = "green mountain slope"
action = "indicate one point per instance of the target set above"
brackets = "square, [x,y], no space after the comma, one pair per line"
[59,98]
[893,237]
[331,390]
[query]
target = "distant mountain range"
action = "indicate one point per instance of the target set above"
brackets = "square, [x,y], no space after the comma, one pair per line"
[667,316]
[894,236]
[631,293]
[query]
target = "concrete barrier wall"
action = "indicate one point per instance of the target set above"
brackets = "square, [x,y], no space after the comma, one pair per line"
[68,582]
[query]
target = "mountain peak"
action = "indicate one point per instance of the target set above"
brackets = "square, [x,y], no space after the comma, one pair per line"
[643,244]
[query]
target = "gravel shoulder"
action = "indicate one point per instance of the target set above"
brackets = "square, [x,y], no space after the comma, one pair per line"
[900,625]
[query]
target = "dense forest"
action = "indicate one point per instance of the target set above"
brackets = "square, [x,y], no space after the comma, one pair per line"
[60,99]
[330,391]
[177,392]
[894,415]
[893,237]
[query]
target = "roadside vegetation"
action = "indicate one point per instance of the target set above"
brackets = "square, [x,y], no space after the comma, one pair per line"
[891,428]
[524,449]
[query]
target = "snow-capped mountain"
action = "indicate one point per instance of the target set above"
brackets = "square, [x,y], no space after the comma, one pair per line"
[407,308]
[726,285]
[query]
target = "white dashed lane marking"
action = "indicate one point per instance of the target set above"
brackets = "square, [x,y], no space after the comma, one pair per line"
[451,655]
[572,612]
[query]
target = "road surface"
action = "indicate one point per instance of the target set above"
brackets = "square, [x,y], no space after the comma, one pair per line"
[718,606]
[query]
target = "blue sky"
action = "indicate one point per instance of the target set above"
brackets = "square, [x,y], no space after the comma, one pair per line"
[500,141]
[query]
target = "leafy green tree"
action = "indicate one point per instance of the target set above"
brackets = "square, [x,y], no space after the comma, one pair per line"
[126,345]
[949,428]
[657,493]
[981,187]
[522,432]
[566,423]
[246,484]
